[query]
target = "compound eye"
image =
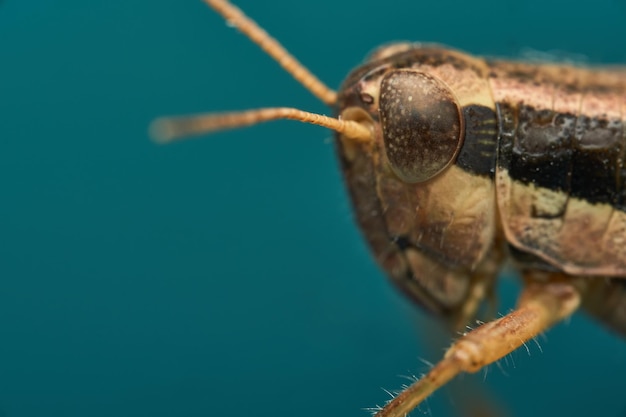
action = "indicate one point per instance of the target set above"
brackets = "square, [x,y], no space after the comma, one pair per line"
[421,122]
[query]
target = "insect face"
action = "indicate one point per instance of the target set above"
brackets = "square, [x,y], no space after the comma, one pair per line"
[439,153]
[419,210]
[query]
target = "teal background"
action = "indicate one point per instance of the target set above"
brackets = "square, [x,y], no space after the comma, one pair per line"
[225,276]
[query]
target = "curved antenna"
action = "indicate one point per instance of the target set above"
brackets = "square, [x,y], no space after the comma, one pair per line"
[168,129]
[273,48]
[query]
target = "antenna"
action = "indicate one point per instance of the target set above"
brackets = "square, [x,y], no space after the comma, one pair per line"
[235,17]
[168,129]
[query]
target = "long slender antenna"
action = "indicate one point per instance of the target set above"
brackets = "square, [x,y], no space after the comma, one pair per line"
[274,49]
[168,129]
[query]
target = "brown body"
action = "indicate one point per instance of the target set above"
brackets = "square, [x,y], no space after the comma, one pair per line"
[540,177]
[457,164]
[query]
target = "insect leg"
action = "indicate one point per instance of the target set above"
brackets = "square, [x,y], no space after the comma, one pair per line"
[468,397]
[542,304]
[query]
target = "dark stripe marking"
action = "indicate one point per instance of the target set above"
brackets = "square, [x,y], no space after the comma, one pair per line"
[581,156]
[478,152]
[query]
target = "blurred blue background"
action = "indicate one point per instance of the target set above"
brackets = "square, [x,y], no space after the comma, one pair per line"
[225,276]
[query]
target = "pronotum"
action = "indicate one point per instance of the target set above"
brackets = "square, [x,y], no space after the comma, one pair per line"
[456,165]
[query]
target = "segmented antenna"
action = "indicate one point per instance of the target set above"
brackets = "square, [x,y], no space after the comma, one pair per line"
[167,129]
[273,48]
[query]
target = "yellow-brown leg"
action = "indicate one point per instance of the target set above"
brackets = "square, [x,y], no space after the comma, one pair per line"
[466,397]
[544,301]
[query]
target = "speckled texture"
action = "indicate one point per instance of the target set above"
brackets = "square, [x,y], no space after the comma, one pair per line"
[142,280]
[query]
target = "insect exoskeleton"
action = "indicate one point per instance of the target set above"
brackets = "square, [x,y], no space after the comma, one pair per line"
[428,205]
[492,152]
[456,164]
